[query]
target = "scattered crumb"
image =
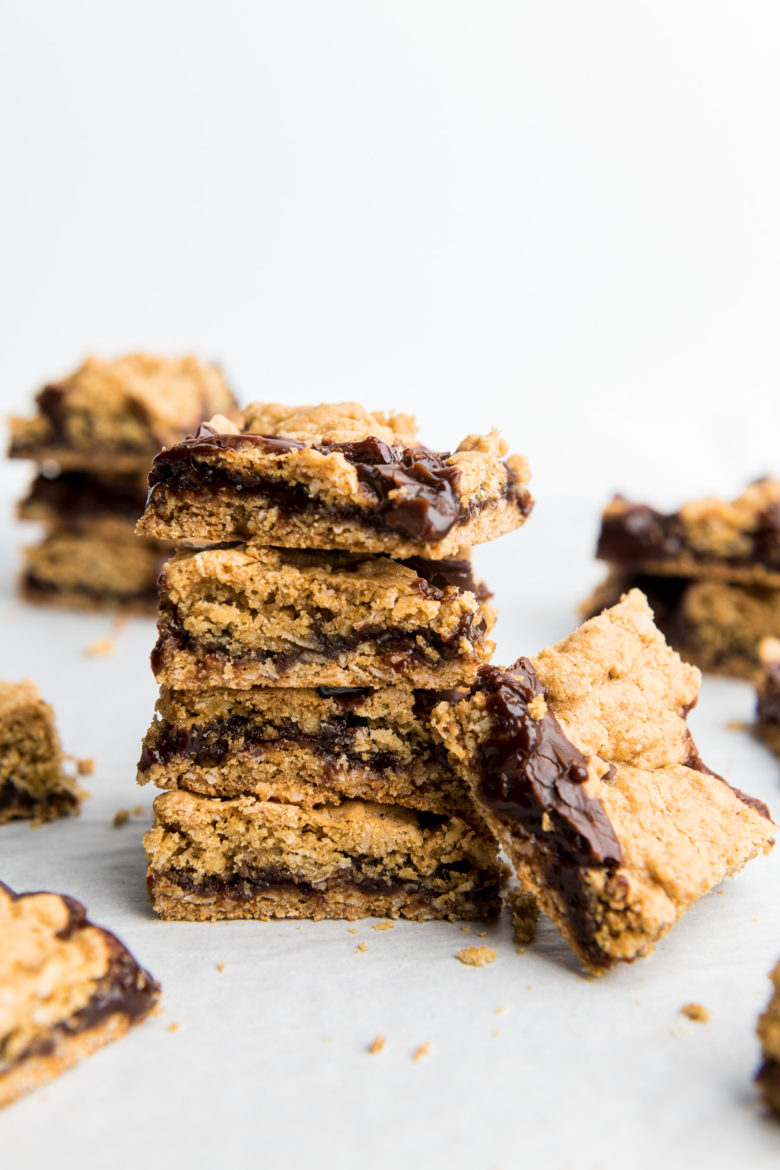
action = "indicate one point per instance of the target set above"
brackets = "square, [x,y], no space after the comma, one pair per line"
[737,725]
[221,965]
[483,934]
[465,929]
[476,956]
[100,648]
[499,1010]
[352,930]
[547,823]
[525,916]
[327,1039]
[696,1012]
[530,987]
[298,927]
[122,815]
[377,1044]
[496,1035]
[383,926]
[422,1051]
[360,948]
[120,621]
[85,767]
[173,1027]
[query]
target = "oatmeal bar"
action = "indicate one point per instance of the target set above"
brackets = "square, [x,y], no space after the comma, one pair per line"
[67,987]
[83,570]
[582,763]
[335,477]
[303,746]
[768,1076]
[110,413]
[768,711]
[715,624]
[246,616]
[33,783]
[247,858]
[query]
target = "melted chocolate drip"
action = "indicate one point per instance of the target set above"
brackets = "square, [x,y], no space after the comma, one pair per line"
[532,777]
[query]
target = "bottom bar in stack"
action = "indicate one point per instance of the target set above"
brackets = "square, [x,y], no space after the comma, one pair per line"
[249,858]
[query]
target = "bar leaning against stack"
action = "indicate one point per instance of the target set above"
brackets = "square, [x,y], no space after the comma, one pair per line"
[711,572]
[300,656]
[93,438]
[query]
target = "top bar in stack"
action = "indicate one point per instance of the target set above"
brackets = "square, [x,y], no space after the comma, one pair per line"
[113,416]
[335,477]
[711,572]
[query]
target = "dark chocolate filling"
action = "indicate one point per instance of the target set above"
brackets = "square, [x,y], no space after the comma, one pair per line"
[22,802]
[211,743]
[76,495]
[428,508]
[532,777]
[252,882]
[398,647]
[640,534]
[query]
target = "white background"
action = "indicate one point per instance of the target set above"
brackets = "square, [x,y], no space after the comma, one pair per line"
[556,218]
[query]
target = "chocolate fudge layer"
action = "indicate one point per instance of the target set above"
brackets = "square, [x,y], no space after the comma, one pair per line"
[768,707]
[67,987]
[83,570]
[108,413]
[33,782]
[303,746]
[335,477]
[247,858]
[737,541]
[715,624]
[242,617]
[87,501]
[584,768]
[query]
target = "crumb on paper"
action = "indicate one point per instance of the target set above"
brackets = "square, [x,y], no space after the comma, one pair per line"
[85,767]
[120,622]
[483,934]
[360,948]
[173,1027]
[499,1010]
[383,926]
[121,817]
[466,929]
[327,1039]
[496,1035]
[352,930]
[138,811]
[422,1051]
[221,965]
[696,1012]
[525,916]
[376,1045]
[100,648]
[737,725]
[476,956]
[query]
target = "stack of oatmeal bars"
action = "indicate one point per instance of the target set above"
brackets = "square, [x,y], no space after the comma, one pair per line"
[93,438]
[300,655]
